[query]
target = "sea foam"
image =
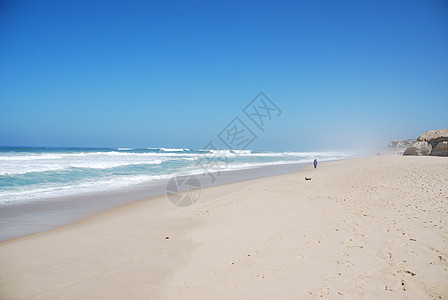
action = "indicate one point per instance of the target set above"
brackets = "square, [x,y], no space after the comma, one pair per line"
[29,174]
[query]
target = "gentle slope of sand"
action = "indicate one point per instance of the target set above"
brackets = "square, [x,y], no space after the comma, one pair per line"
[373,227]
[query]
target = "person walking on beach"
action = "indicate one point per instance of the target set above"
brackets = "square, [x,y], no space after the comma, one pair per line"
[315,163]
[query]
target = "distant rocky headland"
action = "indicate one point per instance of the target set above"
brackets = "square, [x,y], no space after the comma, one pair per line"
[434,143]
[399,145]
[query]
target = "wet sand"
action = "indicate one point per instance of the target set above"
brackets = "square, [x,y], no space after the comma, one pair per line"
[37,216]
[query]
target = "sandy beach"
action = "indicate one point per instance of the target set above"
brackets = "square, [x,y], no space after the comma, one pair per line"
[370,227]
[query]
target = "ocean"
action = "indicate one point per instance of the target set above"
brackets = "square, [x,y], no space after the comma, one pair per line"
[30,174]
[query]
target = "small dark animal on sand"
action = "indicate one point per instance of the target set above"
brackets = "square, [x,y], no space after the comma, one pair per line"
[307,178]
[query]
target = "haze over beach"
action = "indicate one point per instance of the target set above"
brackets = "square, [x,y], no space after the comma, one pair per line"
[196,150]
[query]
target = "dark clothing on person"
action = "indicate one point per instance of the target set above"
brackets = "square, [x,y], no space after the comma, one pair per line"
[315,163]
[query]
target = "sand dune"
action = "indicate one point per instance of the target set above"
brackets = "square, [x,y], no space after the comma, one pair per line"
[371,227]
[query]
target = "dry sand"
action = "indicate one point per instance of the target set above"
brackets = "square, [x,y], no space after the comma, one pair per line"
[372,227]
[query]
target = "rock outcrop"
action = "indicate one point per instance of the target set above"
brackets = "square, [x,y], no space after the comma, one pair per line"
[419,149]
[434,137]
[441,149]
[399,145]
[434,142]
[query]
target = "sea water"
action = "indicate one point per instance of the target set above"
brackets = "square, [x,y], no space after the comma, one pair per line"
[28,174]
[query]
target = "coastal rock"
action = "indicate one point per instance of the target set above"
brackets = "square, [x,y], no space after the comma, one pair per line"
[433,142]
[434,137]
[441,149]
[399,145]
[419,149]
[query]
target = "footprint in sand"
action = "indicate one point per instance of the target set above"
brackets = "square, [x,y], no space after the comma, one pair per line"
[253,253]
[276,266]
[384,255]
[324,291]
[347,263]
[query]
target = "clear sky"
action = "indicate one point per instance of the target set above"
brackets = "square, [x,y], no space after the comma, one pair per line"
[174,73]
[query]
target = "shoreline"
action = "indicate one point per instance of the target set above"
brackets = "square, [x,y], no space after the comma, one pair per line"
[27,218]
[371,227]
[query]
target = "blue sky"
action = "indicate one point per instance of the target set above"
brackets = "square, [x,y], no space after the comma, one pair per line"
[174,73]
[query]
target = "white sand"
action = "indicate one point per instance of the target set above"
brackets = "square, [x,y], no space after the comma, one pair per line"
[373,227]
